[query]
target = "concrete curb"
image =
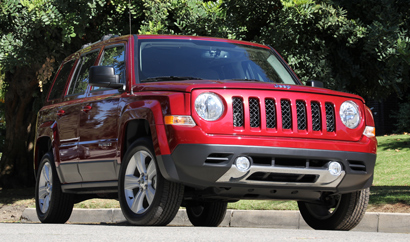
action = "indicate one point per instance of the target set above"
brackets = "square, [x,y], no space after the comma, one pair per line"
[372,222]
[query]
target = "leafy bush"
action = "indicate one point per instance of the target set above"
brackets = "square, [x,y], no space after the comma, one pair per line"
[402,117]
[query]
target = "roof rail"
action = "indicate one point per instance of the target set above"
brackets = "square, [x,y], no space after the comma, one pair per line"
[105,37]
[108,36]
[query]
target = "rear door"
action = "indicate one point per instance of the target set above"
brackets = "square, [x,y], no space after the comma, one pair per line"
[68,119]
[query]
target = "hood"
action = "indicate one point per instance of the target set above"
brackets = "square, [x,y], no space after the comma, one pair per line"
[190,85]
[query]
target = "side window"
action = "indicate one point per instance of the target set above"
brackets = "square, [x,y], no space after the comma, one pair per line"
[79,84]
[114,57]
[59,84]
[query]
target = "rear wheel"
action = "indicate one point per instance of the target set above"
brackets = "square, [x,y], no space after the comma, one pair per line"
[341,212]
[146,198]
[52,205]
[209,214]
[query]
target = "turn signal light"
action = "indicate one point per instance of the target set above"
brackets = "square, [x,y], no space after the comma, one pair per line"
[179,120]
[370,131]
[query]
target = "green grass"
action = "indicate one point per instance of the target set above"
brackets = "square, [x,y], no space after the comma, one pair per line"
[263,205]
[393,161]
[391,183]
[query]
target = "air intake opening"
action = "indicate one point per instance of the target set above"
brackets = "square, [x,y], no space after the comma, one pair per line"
[357,165]
[282,177]
[216,158]
[287,162]
[260,160]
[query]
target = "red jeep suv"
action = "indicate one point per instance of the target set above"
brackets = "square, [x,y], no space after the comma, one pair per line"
[161,122]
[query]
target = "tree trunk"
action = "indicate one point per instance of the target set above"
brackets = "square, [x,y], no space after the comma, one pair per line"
[22,101]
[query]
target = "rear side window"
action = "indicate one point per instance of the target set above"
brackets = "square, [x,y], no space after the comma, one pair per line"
[79,84]
[59,84]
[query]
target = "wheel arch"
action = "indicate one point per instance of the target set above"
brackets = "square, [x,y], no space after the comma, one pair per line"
[142,119]
[43,145]
[134,129]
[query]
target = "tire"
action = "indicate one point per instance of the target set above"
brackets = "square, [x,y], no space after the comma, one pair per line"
[146,198]
[52,205]
[209,214]
[346,212]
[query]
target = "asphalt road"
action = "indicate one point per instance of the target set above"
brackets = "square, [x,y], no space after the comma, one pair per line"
[73,232]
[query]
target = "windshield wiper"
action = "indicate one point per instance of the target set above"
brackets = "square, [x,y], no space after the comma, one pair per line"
[170,78]
[244,79]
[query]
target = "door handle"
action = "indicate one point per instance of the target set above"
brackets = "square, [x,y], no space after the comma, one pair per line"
[86,108]
[60,113]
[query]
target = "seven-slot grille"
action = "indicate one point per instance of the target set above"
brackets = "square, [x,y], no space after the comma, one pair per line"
[286,105]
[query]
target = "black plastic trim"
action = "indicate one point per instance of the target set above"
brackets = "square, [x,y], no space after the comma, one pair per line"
[90,187]
[187,165]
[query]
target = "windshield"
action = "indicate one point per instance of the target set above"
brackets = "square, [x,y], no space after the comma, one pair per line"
[165,60]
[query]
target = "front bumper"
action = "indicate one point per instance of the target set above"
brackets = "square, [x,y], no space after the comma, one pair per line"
[212,166]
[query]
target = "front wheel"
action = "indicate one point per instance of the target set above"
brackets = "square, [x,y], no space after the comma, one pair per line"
[342,212]
[146,198]
[52,205]
[209,214]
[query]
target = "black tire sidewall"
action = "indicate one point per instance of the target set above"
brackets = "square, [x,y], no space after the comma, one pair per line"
[335,220]
[212,214]
[146,217]
[45,217]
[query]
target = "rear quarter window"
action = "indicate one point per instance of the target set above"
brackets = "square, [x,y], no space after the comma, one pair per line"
[60,82]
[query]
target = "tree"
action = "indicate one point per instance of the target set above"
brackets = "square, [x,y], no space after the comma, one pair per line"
[34,37]
[355,46]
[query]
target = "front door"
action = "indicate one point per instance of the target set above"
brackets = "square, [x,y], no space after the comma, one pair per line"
[98,129]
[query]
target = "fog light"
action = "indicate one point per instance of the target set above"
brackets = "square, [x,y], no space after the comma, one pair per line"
[243,164]
[335,168]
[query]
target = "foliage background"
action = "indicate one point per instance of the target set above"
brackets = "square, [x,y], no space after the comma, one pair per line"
[361,47]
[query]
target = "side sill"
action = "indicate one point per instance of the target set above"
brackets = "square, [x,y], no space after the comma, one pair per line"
[91,187]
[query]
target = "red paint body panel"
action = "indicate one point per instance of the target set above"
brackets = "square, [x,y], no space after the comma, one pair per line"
[189,86]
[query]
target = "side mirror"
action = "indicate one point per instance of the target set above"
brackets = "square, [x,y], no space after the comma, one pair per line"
[104,76]
[314,83]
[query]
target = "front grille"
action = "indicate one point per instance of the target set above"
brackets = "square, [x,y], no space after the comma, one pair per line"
[269,108]
[330,117]
[316,117]
[301,115]
[237,106]
[286,114]
[254,113]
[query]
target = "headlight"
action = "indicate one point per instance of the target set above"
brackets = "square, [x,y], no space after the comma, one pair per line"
[209,106]
[349,114]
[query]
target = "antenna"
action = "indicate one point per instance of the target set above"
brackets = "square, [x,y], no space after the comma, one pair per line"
[130,82]
[129,13]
